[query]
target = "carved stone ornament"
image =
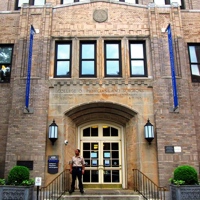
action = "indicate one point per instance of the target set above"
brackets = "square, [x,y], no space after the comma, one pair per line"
[8,192]
[100,15]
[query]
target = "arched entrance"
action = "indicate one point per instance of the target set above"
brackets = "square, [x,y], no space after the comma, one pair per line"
[100,134]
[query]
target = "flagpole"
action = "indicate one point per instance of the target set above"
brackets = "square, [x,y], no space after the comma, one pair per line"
[28,79]
[173,74]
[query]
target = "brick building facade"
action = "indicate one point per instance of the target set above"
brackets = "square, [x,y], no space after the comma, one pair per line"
[100,69]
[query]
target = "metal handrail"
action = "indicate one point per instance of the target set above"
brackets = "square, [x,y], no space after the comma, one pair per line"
[146,187]
[57,187]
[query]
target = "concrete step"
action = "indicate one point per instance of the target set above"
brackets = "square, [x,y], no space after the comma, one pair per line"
[103,194]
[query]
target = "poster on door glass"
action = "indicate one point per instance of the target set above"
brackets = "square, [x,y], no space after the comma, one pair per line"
[106,162]
[93,154]
[94,162]
[106,154]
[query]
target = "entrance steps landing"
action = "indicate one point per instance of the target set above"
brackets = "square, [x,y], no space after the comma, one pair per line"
[103,194]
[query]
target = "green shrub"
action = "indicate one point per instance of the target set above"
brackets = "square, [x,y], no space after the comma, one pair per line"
[2,181]
[28,182]
[185,175]
[17,175]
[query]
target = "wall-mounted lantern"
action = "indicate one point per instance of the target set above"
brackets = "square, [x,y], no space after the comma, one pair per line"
[148,131]
[53,132]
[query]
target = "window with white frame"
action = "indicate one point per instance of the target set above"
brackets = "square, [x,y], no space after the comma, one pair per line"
[169,2]
[6,52]
[112,51]
[70,1]
[194,56]
[19,3]
[130,1]
[137,59]
[87,59]
[63,60]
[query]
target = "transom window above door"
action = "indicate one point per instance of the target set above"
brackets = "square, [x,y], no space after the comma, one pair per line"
[100,131]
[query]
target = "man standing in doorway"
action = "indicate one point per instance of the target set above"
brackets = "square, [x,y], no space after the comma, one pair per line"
[77,169]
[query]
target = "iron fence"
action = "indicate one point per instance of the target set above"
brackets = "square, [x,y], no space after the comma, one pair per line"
[146,187]
[56,188]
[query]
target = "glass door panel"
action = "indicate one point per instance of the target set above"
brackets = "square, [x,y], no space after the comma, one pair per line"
[91,176]
[91,154]
[111,162]
[102,162]
[111,176]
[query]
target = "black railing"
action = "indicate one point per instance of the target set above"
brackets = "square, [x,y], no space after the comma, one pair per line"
[56,188]
[146,187]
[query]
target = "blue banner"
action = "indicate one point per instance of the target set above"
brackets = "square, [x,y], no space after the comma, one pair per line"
[28,81]
[171,54]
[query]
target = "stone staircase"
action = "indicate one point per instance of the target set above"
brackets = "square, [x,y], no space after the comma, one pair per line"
[103,194]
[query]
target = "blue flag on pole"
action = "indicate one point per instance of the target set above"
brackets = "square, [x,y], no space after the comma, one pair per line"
[171,54]
[28,81]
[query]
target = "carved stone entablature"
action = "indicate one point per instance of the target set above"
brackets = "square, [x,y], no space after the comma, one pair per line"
[74,82]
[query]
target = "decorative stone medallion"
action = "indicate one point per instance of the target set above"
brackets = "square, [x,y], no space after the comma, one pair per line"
[100,15]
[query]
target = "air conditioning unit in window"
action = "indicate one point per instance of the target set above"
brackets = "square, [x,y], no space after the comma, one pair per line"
[167,2]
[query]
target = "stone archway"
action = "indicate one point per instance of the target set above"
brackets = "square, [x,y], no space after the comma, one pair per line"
[100,111]
[108,112]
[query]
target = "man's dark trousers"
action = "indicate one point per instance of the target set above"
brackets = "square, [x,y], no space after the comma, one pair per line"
[77,172]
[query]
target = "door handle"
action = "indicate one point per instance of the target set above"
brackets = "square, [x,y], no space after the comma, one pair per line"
[100,167]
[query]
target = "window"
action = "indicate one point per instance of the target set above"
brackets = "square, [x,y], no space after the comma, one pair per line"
[70,1]
[6,52]
[62,60]
[137,59]
[112,59]
[87,59]
[194,55]
[169,2]
[30,2]
[130,1]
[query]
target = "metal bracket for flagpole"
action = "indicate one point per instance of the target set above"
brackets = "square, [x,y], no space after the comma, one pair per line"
[28,110]
[174,110]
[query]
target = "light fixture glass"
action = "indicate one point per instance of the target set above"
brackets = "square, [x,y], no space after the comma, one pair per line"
[53,132]
[149,131]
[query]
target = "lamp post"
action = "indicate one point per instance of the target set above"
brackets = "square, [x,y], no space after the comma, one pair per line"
[53,132]
[149,131]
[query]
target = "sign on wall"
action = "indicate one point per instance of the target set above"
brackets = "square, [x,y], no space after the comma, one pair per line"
[53,164]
